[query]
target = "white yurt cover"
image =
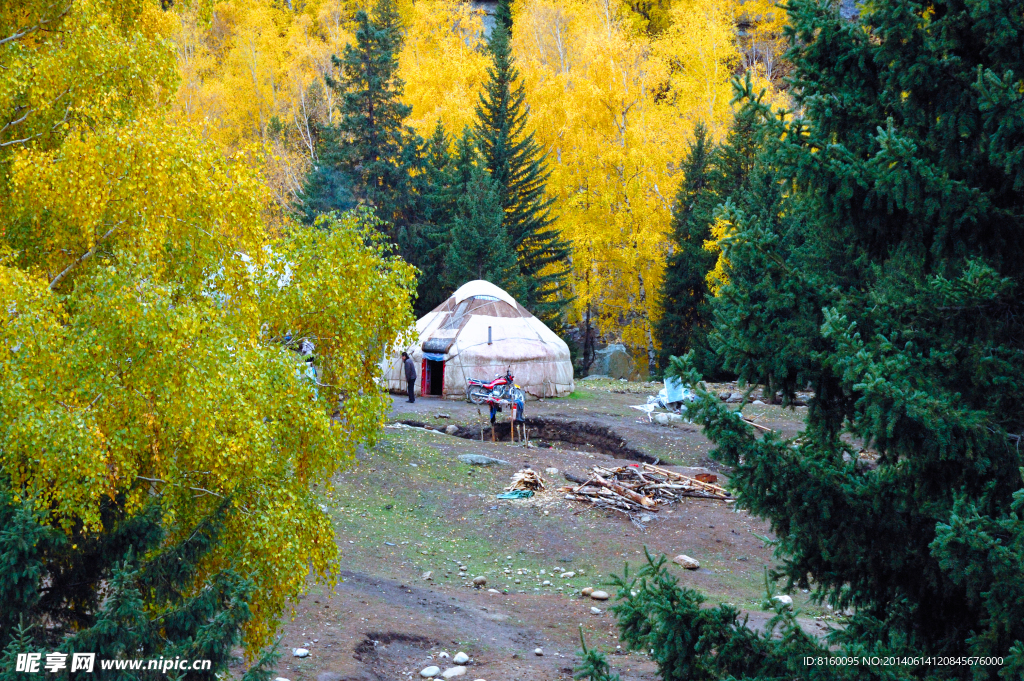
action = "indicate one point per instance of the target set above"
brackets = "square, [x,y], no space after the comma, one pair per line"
[456,333]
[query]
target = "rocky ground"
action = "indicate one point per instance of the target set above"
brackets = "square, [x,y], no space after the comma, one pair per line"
[410,507]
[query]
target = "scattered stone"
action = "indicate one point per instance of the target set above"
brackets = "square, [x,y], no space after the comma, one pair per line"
[518,581]
[551,471]
[452,672]
[443,655]
[545,583]
[493,591]
[460,658]
[443,416]
[430,672]
[589,590]
[646,518]
[595,611]
[757,403]
[686,562]
[331,676]
[479,581]
[300,652]
[451,429]
[480,460]
[599,595]
[785,600]
[568,575]
[735,397]
[463,568]
[280,678]
[428,575]
[538,652]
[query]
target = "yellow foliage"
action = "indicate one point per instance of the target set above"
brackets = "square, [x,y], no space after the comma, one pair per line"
[718,277]
[443,64]
[614,109]
[143,307]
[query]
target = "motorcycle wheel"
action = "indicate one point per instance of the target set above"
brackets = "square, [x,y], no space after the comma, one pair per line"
[476,394]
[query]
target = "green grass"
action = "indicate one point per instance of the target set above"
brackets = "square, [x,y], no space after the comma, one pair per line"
[581,395]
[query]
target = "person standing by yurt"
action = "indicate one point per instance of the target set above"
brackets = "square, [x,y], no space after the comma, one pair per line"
[410,375]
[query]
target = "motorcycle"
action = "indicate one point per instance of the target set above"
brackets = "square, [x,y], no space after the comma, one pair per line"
[502,387]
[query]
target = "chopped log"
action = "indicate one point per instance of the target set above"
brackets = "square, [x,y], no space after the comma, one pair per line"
[628,493]
[574,478]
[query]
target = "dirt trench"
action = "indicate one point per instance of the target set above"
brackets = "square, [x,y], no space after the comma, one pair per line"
[544,431]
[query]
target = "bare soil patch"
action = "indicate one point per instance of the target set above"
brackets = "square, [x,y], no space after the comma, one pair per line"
[409,506]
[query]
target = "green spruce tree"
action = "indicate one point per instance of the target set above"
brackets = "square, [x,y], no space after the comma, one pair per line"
[425,241]
[516,162]
[477,244]
[121,593]
[371,154]
[878,260]
[686,317]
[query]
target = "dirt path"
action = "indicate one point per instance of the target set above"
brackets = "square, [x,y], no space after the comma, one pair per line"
[410,506]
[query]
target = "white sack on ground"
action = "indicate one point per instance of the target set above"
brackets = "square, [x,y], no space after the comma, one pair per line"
[452,345]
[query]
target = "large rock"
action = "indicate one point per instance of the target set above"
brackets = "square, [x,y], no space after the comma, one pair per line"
[479,460]
[452,429]
[599,595]
[784,600]
[430,672]
[686,562]
[452,672]
[460,658]
[480,581]
[613,361]
[300,652]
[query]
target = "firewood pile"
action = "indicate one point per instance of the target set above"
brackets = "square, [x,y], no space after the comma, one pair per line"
[526,479]
[639,489]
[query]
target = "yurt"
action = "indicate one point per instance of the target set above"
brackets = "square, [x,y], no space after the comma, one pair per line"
[478,332]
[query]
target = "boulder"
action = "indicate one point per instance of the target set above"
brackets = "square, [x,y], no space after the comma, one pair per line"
[686,562]
[452,672]
[539,652]
[613,361]
[480,581]
[599,595]
[452,429]
[460,658]
[784,600]
[430,672]
[300,652]
[480,460]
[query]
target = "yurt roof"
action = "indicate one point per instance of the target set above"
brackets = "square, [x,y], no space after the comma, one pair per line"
[479,298]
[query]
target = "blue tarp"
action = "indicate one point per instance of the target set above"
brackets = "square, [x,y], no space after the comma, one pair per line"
[433,356]
[673,389]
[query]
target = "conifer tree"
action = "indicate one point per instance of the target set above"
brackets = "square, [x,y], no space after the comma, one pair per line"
[878,258]
[516,162]
[371,153]
[503,15]
[119,593]
[424,242]
[477,243]
[686,320]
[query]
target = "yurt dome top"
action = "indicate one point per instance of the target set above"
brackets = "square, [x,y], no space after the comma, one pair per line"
[482,290]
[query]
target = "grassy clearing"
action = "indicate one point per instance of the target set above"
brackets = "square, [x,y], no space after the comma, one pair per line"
[410,506]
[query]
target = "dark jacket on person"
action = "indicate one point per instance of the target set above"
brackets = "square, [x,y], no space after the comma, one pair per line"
[410,370]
